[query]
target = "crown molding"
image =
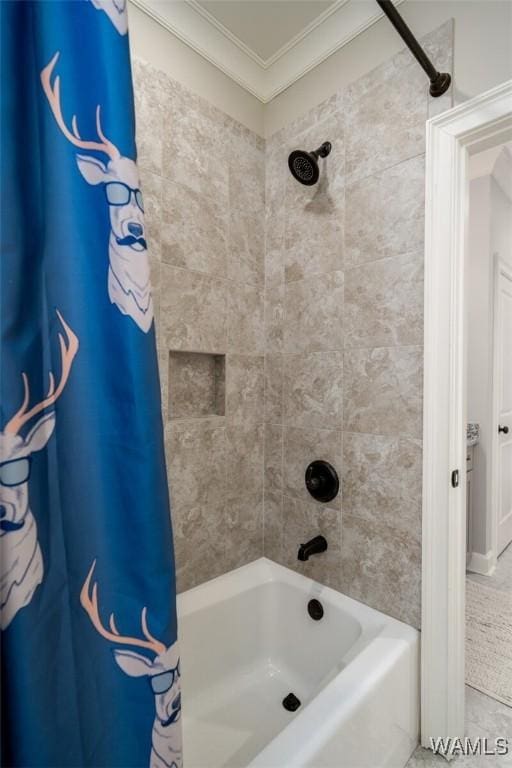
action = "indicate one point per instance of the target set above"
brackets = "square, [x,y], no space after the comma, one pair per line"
[349,20]
[266,63]
[210,18]
[194,30]
[265,79]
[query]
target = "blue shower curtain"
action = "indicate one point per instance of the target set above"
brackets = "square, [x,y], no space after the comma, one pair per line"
[90,665]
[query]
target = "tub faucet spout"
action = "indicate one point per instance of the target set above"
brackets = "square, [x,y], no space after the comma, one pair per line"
[313,547]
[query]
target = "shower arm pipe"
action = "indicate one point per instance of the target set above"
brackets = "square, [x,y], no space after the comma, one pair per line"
[439,81]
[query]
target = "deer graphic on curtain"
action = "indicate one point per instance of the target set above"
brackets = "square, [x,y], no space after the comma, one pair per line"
[163,672]
[129,285]
[21,569]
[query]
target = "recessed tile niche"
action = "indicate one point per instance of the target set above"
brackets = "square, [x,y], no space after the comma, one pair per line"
[197,385]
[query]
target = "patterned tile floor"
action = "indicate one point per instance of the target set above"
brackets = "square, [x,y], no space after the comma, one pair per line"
[484,717]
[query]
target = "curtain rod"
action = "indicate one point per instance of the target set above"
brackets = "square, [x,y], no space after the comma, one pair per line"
[439,81]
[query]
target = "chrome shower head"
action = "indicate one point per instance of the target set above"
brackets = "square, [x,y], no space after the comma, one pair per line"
[304,165]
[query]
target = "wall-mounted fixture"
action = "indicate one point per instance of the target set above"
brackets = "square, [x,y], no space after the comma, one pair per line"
[439,81]
[315,609]
[322,481]
[304,165]
[315,546]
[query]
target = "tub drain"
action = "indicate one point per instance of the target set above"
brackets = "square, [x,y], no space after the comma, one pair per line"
[291,702]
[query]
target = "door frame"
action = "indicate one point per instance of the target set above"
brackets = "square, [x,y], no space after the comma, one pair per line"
[500,267]
[451,138]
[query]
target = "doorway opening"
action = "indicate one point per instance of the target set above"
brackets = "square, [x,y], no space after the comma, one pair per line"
[488,334]
[453,138]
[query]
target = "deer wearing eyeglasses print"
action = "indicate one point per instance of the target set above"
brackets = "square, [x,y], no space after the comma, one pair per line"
[162,671]
[21,560]
[129,286]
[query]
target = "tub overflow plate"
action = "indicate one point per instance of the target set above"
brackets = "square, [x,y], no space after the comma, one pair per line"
[315,609]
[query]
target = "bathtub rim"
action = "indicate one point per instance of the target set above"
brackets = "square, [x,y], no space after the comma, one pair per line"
[238,580]
[383,641]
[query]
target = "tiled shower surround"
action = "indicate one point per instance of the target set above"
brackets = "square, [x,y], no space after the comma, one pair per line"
[202,175]
[315,297]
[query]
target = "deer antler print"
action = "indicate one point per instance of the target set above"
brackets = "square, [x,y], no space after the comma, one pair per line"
[53,96]
[21,558]
[89,601]
[129,284]
[68,351]
[162,670]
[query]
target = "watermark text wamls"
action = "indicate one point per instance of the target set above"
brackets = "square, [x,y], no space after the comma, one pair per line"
[479,745]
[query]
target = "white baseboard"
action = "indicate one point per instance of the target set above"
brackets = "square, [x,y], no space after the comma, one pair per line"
[485,565]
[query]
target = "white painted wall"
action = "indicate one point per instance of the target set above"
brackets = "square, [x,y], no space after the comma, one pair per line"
[501,219]
[152,42]
[483,58]
[490,233]
[479,288]
[483,54]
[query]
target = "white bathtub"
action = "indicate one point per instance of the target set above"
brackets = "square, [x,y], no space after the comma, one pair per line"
[247,641]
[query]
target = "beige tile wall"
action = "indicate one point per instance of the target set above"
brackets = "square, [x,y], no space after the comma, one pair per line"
[202,175]
[315,297]
[344,335]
